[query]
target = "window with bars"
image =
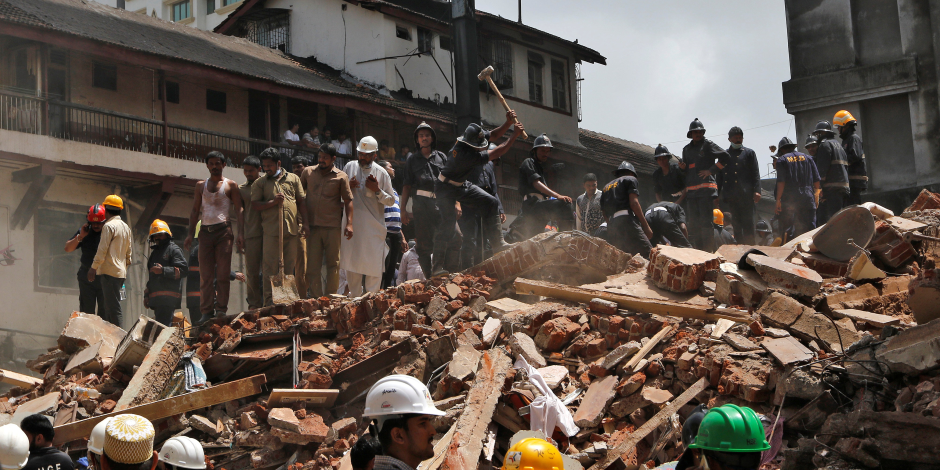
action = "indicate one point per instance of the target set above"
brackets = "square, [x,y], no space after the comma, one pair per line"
[498,53]
[536,65]
[273,32]
[181,11]
[559,86]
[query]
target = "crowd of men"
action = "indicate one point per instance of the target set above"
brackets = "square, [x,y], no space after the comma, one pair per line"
[339,230]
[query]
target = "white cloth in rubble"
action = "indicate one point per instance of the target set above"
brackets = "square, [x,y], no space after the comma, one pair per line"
[365,252]
[547,411]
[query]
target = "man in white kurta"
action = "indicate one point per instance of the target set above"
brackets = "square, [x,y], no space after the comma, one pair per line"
[364,254]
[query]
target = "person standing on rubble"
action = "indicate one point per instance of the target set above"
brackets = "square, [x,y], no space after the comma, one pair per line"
[701,160]
[298,163]
[253,240]
[193,291]
[469,222]
[626,224]
[588,215]
[730,437]
[166,268]
[87,238]
[797,190]
[402,409]
[541,204]
[667,220]
[740,187]
[452,186]
[112,259]
[420,172]
[669,179]
[854,155]
[831,163]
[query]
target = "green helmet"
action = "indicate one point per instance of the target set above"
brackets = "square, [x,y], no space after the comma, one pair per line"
[731,428]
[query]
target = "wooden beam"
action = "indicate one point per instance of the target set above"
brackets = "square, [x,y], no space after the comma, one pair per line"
[168,407]
[320,398]
[27,175]
[647,348]
[34,195]
[636,304]
[155,205]
[660,418]
[358,378]
[18,380]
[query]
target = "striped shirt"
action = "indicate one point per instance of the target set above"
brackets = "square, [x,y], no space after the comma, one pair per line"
[393,216]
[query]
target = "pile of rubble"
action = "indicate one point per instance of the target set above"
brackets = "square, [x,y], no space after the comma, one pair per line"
[837,352]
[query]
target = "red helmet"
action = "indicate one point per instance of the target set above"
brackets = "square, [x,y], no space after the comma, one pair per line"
[96,213]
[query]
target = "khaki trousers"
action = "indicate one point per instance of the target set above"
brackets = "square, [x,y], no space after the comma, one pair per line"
[323,249]
[300,268]
[253,256]
[270,258]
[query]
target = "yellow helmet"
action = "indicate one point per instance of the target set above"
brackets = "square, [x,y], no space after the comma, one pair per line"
[159,226]
[842,118]
[718,217]
[114,201]
[533,454]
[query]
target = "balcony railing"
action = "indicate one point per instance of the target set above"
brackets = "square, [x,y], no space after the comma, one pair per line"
[79,123]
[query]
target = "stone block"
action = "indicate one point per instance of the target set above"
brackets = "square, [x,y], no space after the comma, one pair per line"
[631,384]
[284,418]
[797,280]
[554,375]
[739,342]
[523,345]
[620,353]
[914,350]
[815,326]
[555,334]
[924,299]
[780,311]
[680,269]
[739,287]
[83,329]
[203,424]
[595,402]
[605,307]
[490,331]
[464,363]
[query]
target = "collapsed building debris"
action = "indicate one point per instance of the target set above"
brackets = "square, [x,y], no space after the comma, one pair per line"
[841,361]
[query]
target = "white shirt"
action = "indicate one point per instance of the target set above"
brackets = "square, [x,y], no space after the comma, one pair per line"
[343,148]
[289,137]
[365,252]
[410,268]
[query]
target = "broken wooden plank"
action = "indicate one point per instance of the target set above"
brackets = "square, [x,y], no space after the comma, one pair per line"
[320,398]
[874,319]
[168,407]
[787,350]
[260,351]
[667,329]
[155,370]
[17,379]
[660,418]
[481,403]
[636,304]
[355,380]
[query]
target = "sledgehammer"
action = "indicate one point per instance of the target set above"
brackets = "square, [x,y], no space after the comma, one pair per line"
[486,75]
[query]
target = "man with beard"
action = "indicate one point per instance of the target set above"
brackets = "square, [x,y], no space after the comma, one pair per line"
[42,455]
[87,238]
[402,408]
[364,255]
[212,204]
[167,267]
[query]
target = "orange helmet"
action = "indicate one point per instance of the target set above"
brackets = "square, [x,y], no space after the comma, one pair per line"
[718,217]
[842,118]
[159,226]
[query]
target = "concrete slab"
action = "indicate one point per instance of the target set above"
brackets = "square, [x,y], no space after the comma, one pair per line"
[912,351]
[787,350]
[83,330]
[43,405]
[595,402]
[733,253]
[786,276]
[873,319]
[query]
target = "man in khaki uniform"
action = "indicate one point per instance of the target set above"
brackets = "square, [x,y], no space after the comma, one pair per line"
[328,195]
[253,244]
[278,190]
[298,163]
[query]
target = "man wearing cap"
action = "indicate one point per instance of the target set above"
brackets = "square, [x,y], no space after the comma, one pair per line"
[452,186]
[473,250]
[128,444]
[740,186]
[798,182]
[765,236]
[668,179]
[364,254]
[112,259]
[667,220]
[831,163]
[701,160]
[541,204]
[627,227]
[402,409]
[42,455]
[854,155]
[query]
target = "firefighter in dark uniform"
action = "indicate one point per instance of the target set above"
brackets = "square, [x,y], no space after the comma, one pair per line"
[627,228]
[537,208]
[166,267]
[740,187]
[723,236]
[420,174]
[668,179]
[831,163]
[452,186]
[855,155]
[192,281]
[667,220]
[797,189]
[701,160]
[473,251]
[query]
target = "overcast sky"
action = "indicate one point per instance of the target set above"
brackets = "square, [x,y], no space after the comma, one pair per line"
[670,61]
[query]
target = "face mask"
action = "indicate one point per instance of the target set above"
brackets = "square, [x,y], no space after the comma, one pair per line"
[737,146]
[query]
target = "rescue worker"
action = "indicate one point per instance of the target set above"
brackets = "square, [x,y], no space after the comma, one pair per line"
[667,220]
[251,167]
[854,153]
[811,145]
[729,437]
[87,238]
[42,454]
[740,188]
[402,409]
[831,162]
[182,452]
[452,186]
[193,294]
[765,236]
[701,160]
[627,228]
[112,259]
[668,179]
[798,186]
[167,267]
[541,204]
[96,444]
[532,453]
[14,447]
[722,235]
[473,250]
[298,163]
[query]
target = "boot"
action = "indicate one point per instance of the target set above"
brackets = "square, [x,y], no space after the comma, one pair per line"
[437,262]
[494,234]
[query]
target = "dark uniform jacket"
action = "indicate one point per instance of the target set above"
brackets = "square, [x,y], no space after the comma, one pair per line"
[673,209]
[485,178]
[165,289]
[740,177]
[616,196]
[465,160]
[798,172]
[48,458]
[831,163]
[421,173]
[700,156]
[723,236]
[529,172]
[89,246]
[669,187]
[855,157]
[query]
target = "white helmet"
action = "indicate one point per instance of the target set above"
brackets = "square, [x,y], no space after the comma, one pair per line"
[184,452]
[14,447]
[96,440]
[398,395]
[367,145]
